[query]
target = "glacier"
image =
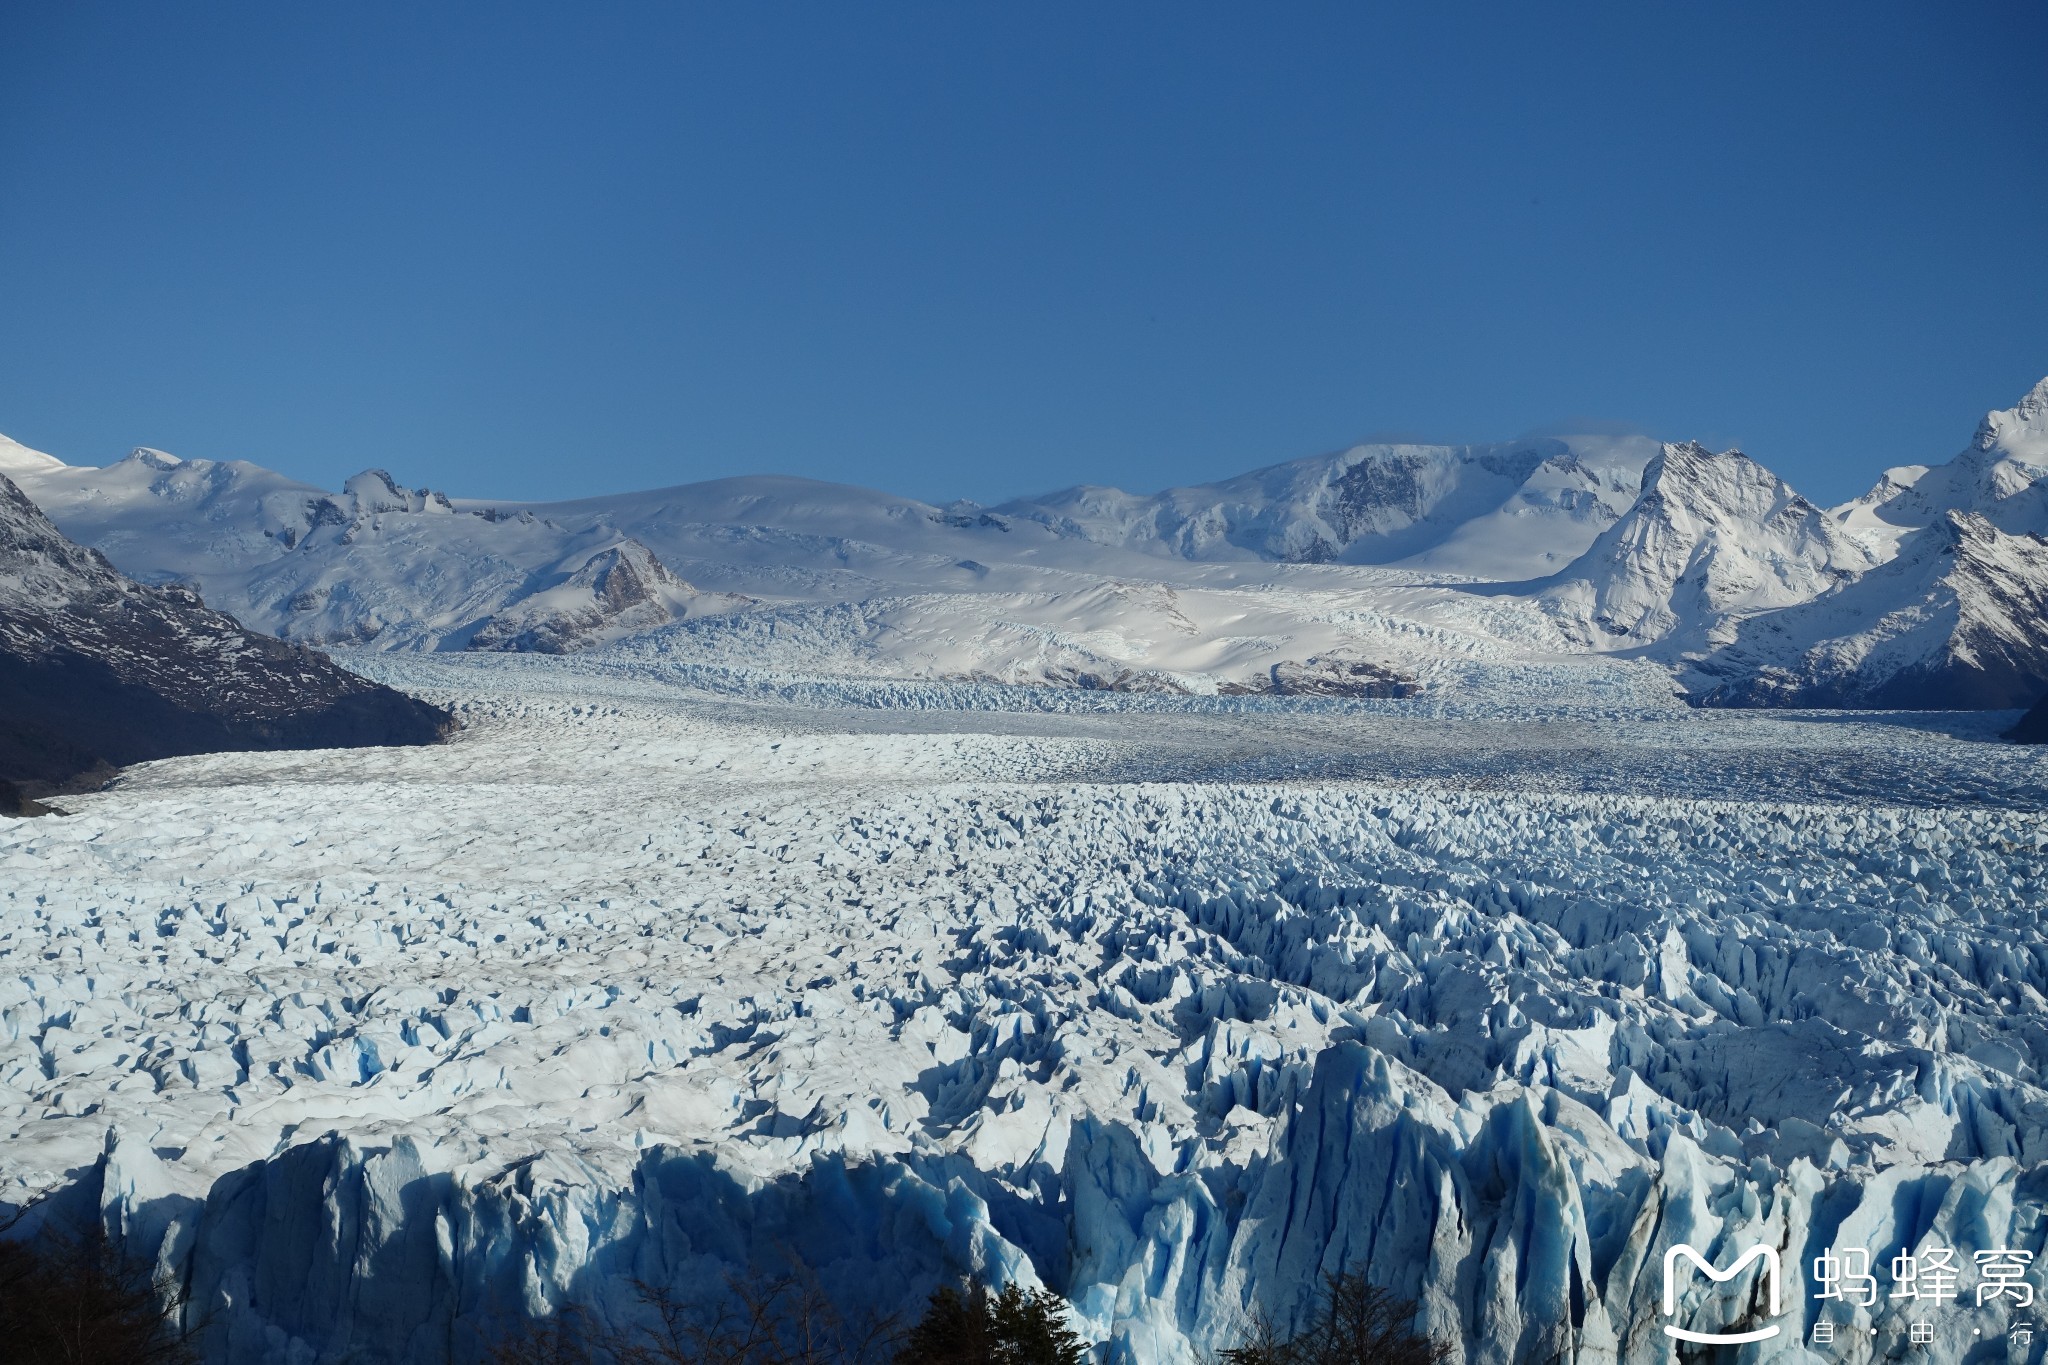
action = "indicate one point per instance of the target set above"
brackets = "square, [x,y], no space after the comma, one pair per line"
[659,970]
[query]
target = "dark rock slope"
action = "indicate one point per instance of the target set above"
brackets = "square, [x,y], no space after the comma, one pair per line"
[2033,726]
[97,670]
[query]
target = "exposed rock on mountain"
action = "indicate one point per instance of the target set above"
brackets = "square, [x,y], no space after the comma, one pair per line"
[2002,476]
[1327,676]
[2033,726]
[1954,612]
[97,670]
[614,593]
[376,563]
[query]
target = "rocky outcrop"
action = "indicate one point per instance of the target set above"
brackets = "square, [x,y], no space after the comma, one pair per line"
[97,671]
[2033,726]
[1326,676]
[615,592]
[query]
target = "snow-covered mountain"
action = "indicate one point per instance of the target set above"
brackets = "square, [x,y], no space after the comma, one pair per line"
[810,574]
[18,460]
[2002,476]
[1168,1004]
[376,563]
[1711,538]
[1958,617]
[1953,611]
[618,591]
[97,670]
[1509,511]
[1405,563]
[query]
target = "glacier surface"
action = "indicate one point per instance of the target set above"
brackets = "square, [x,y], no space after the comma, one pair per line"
[1167,1003]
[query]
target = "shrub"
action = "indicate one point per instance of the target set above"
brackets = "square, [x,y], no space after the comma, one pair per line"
[75,1300]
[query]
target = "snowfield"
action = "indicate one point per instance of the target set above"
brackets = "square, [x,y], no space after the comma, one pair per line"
[1164,1002]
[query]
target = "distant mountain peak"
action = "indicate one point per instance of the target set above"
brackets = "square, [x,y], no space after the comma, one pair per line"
[2002,475]
[374,491]
[2025,422]
[1725,484]
[614,592]
[1715,536]
[1536,548]
[1953,620]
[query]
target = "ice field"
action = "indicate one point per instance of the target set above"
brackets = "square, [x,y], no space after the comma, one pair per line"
[1166,1003]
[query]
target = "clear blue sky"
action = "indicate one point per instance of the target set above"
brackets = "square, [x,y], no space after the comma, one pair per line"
[973,249]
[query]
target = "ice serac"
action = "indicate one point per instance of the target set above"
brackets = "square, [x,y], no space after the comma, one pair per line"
[1713,538]
[1510,511]
[347,1249]
[97,671]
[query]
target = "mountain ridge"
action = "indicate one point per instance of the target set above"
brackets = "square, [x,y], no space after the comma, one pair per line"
[1737,537]
[1374,504]
[1525,554]
[98,671]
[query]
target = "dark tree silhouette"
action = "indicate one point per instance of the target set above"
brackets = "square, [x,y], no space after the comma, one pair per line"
[76,1300]
[556,1340]
[783,1320]
[953,1331]
[1010,1328]
[787,1320]
[1356,1323]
